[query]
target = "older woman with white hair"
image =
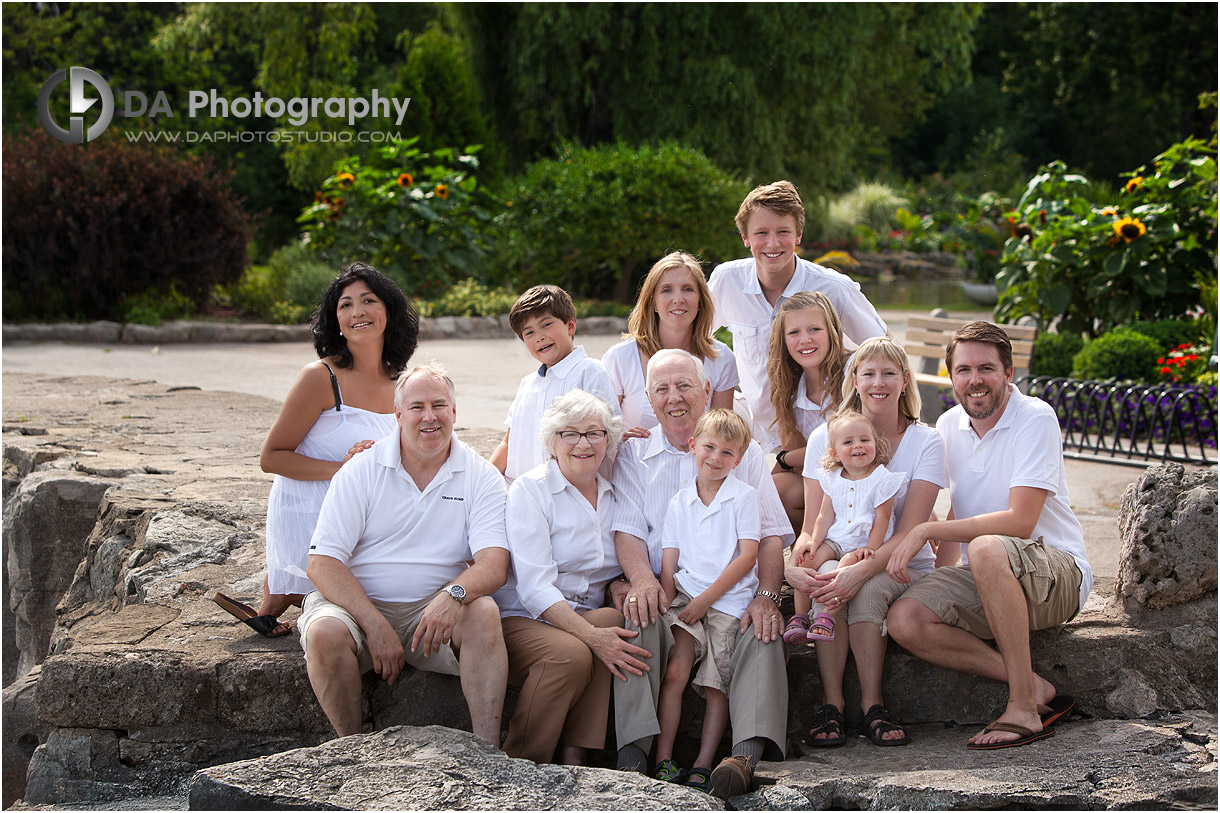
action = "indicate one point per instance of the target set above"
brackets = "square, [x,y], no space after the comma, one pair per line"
[563,643]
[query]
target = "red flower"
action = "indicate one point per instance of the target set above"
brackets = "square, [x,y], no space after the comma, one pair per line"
[1164,371]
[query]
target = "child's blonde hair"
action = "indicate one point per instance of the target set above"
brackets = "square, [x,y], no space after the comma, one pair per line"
[726,425]
[830,462]
[785,373]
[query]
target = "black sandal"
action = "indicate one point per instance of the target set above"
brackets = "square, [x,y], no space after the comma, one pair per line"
[828,720]
[878,722]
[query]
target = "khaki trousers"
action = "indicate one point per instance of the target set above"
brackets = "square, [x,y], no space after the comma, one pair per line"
[758,693]
[565,688]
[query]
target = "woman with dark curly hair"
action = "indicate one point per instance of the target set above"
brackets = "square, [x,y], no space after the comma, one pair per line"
[364,333]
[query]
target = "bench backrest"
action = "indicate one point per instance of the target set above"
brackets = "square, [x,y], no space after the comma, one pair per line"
[927,336]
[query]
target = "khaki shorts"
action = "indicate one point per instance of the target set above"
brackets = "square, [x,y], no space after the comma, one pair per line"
[872,601]
[403,617]
[715,639]
[1048,576]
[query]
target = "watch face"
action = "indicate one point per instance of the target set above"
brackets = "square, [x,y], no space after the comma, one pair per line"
[457,591]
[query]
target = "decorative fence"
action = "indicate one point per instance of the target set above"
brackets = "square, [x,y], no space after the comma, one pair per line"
[1128,423]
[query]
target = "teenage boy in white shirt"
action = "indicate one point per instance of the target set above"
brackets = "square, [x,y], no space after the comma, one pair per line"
[389,558]
[544,318]
[747,293]
[1024,565]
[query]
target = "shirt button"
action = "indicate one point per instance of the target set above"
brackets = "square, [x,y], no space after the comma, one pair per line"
[849,505]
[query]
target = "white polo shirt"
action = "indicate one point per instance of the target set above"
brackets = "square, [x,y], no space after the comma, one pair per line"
[648,472]
[622,362]
[402,544]
[562,548]
[575,372]
[706,538]
[808,415]
[742,307]
[920,455]
[1023,449]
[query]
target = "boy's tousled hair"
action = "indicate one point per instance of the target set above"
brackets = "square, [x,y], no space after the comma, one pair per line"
[780,197]
[785,374]
[541,299]
[983,332]
[644,324]
[830,462]
[726,425]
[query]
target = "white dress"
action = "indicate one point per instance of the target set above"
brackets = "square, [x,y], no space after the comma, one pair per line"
[293,506]
[855,503]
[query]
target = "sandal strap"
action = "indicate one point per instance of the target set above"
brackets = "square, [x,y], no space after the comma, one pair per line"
[828,719]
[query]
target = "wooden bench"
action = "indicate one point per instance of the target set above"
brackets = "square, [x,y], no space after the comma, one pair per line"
[925,345]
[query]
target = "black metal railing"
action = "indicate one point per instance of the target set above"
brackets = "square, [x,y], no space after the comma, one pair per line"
[1131,423]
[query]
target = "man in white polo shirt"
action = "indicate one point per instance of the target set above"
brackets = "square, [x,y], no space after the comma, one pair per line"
[1024,565]
[389,558]
[648,472]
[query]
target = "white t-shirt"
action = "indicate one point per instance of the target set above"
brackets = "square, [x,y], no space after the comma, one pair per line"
[856,502]
[1023,449]
[706,538]
[562,548]
[575,372]
[403,544]
[648,472]
[622,362]
[920,456]
[743,308]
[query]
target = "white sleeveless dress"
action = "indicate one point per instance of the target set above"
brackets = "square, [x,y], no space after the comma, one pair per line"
[293,506]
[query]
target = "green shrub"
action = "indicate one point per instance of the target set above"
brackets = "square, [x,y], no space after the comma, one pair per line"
[1053,354]
[592,220]
[154,307]
[1122,354]
[286,289]
[468,298]
[1169,333]
[87,227]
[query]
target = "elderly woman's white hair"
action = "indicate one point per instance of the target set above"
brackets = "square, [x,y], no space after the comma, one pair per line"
[573,408]
[673,352]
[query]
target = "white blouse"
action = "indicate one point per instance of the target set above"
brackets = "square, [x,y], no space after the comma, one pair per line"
[856,502]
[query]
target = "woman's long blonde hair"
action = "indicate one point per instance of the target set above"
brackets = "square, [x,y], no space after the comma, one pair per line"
[644,324]
[785,373]
[909,404]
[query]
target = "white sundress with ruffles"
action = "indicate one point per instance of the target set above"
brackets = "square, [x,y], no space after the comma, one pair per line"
[293,506]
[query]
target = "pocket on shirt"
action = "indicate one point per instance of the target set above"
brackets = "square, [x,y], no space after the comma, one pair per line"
[749,342]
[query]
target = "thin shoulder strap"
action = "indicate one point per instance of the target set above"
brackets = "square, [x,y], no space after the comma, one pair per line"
[334,385]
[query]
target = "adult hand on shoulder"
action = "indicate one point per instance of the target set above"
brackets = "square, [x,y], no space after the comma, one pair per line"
[436,626]
[645,602]
[612,648]
[386,651]
[358,447]
[636,432]
[764,616]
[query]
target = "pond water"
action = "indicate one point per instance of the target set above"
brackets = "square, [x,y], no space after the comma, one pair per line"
[916,294]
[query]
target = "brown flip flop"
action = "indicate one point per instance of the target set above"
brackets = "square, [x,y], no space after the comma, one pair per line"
[1026,736]
[266,625]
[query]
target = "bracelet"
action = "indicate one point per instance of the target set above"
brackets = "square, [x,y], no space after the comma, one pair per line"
[783,464]
[767,594]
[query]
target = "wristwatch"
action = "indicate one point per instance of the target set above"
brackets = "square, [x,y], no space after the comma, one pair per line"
[457,593]
[767,594]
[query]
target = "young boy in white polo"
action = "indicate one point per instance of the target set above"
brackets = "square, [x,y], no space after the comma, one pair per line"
[544,318]
[747,293]
[709,550]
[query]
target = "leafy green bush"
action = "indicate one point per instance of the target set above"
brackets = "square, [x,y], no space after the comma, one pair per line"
[592,220]
[154,307]
[1170,333]
[468,298]
[287,289]
[1122,354]
[86,227]
[418,217]
[1053,353]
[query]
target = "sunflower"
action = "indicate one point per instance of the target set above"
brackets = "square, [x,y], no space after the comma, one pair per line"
[1110,212]
[1129,228]
[405,180]
[1134,183]
[442,191]
[346,179]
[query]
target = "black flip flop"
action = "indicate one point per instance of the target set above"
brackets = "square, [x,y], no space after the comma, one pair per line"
[265,625]
[1059,708]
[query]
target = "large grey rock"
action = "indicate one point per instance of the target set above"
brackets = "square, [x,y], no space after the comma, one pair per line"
[430,768]
[46,528]
[22,733]
[1167,523]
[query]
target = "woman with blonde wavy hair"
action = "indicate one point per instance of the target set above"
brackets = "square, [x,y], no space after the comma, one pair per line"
[805,365]
[673,311]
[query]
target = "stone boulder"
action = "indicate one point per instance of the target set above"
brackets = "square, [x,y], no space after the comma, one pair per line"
[1167,524]
[428,768]
[23,732]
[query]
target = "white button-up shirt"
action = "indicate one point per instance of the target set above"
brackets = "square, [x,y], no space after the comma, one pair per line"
[622,362]
[743,308]
[562,548]
[706,538]
[648,472]
[403,544]
[575,372]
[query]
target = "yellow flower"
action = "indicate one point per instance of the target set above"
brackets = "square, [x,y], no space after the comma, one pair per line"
[346,179]
[405,180]
[442,191]
[508,203]
[1110,212]
[1134,183]
[1129,228]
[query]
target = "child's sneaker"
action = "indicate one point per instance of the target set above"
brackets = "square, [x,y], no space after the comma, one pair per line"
[797,630]
[668,771]
[699,779]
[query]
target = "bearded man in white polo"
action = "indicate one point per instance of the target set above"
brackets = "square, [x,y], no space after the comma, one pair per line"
[389,558]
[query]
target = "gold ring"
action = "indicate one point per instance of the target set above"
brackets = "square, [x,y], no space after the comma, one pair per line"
[838,600]
[633,600]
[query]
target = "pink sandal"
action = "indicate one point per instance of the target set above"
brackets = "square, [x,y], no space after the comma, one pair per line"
[797,631]
[822,628]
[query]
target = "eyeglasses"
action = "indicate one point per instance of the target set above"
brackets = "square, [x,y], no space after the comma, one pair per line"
[572,437]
